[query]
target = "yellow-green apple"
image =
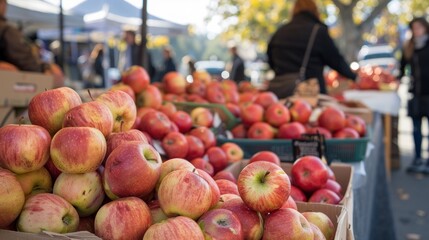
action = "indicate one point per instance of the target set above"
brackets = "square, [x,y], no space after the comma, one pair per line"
[83,190]
[78,149]
[318,235]
[125,88]
[277,114]
[224,174]
[292,130]
[136,77]
[267,156]
[203,164]
[309,173]
[196,147]
[332,119]
[251,113]
[125,218]
[202,116]
[205,135]
[357,123]
[168,108]
[346,133]
[174,82]
[233,152]
[247,97]
[217,158]
[290,203]
[132,169]
[91,114]
[180,228]
[239,131]
[234,109]
[86,224]
[175,145]
[116,139]
[156,124]
[173,165]
[34,182]
[324,195]
[197,88]
[156,212]
[300,111]
[47,212]
[226,186]
[231,96]
[297,194]
[183,121]
[287,224]
[213,186]
[320,130]
[184,193]
[261,130]
[221,224]
[265,99]
[333,186]
[323,222]
[263,186]
[23,148]
[251,221]
[52,169]
[48,108]
[12,198]
[122,107]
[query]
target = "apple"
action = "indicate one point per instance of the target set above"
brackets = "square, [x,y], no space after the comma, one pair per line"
[175,145]
[234,109]
[229,84]
[203,164]
[86,224]
[322,222]
[263,186]
[221,224]
[332,119]
[214,95]
[346,133]
[309,173]
[54,172]
[227,175]
[91,114]
[226,186]
[261,130]
[156,212]
[202,116]
[78,149]
[122,107]
[247,97]
[357,123]
[292,130]
[233,152]
[184,193]
[277,114]
[173,127]
[331,174]
[47,212]
[173,165]
[297,194]
[246,86]
[183,121]
[23,148]
[251,113]
[218,158]
[267,156]
[12,198]
[205,135]
[136,77]
[34,182]
[231,96]
[287,224]
[132,169]
[324,195]
[84,191]
[318,235]
[125,218]
[118,138]
[213,186]
[48,108]
[226,197]
[175,228]
[333,186]
[196,147]
[239,131]
[320,130]
[174,82]
[265,99]
[156,124]
[300,111]
[196,88]
[125,88]
[196,98]
[168,108]
[290,203]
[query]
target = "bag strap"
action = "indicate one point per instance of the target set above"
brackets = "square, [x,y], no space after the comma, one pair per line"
[308,49]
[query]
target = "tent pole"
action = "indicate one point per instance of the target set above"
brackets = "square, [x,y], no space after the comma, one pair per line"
[61,27]
[143,33]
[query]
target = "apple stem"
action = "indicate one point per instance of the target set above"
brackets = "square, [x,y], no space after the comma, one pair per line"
[265,176]
[221,200]
[90,95]
[194,170]
[121,129]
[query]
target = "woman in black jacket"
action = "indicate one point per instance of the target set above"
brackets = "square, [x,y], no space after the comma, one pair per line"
[416,55]
[288,44]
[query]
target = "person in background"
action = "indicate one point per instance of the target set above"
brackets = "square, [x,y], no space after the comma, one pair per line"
[237,68]
[130,56]
[287,46]
[416,55]
[97,58]
[168,62]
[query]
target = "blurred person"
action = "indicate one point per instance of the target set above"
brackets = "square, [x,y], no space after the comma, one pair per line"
[187,66]
[168,62]
[97,59]
[287,47]
[237,67]
[130,56]
[415,54]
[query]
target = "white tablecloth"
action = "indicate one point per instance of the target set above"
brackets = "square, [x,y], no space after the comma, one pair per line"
[377,101]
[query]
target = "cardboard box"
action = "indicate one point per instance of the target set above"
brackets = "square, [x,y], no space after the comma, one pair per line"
[12,235]
[7,116]
[18,88]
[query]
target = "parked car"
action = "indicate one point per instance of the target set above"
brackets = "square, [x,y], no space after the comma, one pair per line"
[215,68]
[379,55]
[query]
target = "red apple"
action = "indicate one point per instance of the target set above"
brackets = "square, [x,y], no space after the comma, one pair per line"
[218,158]
[309,173]
[197,88]
[300,111]
[261,130]
[290,203]
[266,99]
[322,222]
[287,224]
[333,186]
[168,108]
[357,123]
[221,224]
[277,114]
[229,84]
[156,124]
[48,108]
[205,135]
[78,149]
[203,164]
[175,228]
[247,97]
[175,145]
[297,194]
[234,109]
[226,186]
[173,127]
[196,147]
[202,117]
[125,88]
[325,196]
[183,121]
[23,148]
[125,218]
[346,133]
[170,97]
[38,181]
[52,169]
[239,131]
[332,119]
[331,174]
[231,96]
[292,130]
[213,186]
[174,82]
[227,175]
[173,165]
[246,86]
[150,97]
[320,130]
[233,152]
[263,186]
[136,77]
[267,156]
[251,113]
[12,198]
[116,139]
